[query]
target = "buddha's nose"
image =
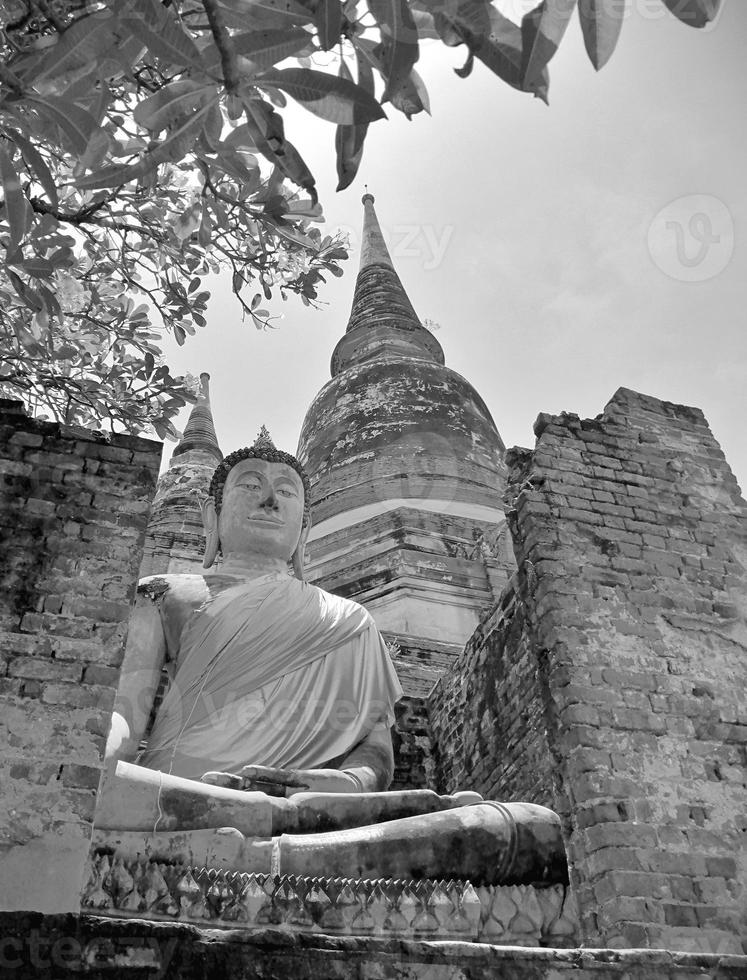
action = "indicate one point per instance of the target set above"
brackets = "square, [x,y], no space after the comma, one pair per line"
[270,501]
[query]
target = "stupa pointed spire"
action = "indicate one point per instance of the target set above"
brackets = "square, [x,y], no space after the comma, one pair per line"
[199,432]
[373,246]
[382,319]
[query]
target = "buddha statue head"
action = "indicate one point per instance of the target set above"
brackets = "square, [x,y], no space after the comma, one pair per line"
[258,504]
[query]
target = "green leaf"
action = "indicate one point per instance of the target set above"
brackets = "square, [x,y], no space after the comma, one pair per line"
[412,96]
[51,302]
[265,48]
[38,267]
[349,140]
[235,165]
[337,100]
[116,176]
[158,29]
[37,165]
[265,13]
[188,222]
[499,49]
[171,103]
[240,138]
[205,231]
[173,147]
[79,45]
[213,128]
[399,42]
[294,167]
[542,30]
[694,13]
[98,147]
[328,21]
[16,205]
[75,123]
[425,25]
[466,70]
[39,324]
[451,35]
[30,297]
[601,23]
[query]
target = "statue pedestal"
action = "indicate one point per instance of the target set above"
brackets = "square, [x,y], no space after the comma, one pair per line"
[508,915]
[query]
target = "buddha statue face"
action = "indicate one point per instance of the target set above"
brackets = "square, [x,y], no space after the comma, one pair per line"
[262,509]
[261,513]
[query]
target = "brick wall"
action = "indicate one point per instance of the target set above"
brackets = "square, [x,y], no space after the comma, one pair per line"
[73,511]
[631,539]
[411,738]
[487,714]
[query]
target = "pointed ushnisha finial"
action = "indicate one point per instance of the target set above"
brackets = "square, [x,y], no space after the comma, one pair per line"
[263,440]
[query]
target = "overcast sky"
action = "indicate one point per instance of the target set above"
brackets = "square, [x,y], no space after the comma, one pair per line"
[563,251]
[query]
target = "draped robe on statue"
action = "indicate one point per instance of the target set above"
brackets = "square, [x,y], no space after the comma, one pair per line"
[272,672]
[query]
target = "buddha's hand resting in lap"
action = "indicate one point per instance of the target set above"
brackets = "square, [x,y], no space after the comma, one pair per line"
[286,782]
[263,779]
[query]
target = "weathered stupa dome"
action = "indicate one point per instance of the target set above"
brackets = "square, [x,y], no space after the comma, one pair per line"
[174,541]
[394,423]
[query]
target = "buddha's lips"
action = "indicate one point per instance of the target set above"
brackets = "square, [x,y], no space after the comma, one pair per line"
[266,520]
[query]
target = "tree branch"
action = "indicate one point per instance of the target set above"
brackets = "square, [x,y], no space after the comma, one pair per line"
[224,45]
[71,217]
[7,77]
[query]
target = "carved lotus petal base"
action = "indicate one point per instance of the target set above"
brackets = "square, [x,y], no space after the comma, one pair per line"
[504,915]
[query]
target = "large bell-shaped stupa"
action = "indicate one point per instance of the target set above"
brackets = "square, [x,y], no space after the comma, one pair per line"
[406,466]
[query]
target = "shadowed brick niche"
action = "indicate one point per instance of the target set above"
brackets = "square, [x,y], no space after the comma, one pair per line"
[73,513]
[610,681]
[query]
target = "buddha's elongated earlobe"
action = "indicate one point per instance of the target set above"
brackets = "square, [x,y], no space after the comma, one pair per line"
[210,523]
[297,558]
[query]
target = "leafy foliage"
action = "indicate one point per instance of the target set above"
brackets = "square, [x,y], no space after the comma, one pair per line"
[142,147]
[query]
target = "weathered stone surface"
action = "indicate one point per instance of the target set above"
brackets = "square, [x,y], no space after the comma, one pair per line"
[487,714]
[66,494]
[175,540]
[66,947]
[517,915]
[629,614]
[399,427]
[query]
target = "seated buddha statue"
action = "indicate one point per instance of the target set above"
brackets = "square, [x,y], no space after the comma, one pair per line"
[271,751]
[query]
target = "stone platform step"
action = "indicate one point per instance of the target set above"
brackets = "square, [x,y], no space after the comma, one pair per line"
[73,947]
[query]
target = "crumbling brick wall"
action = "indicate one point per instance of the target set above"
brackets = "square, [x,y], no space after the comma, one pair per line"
[630,625]
[411,739]
[631,537]
[488,715]
[73,512]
